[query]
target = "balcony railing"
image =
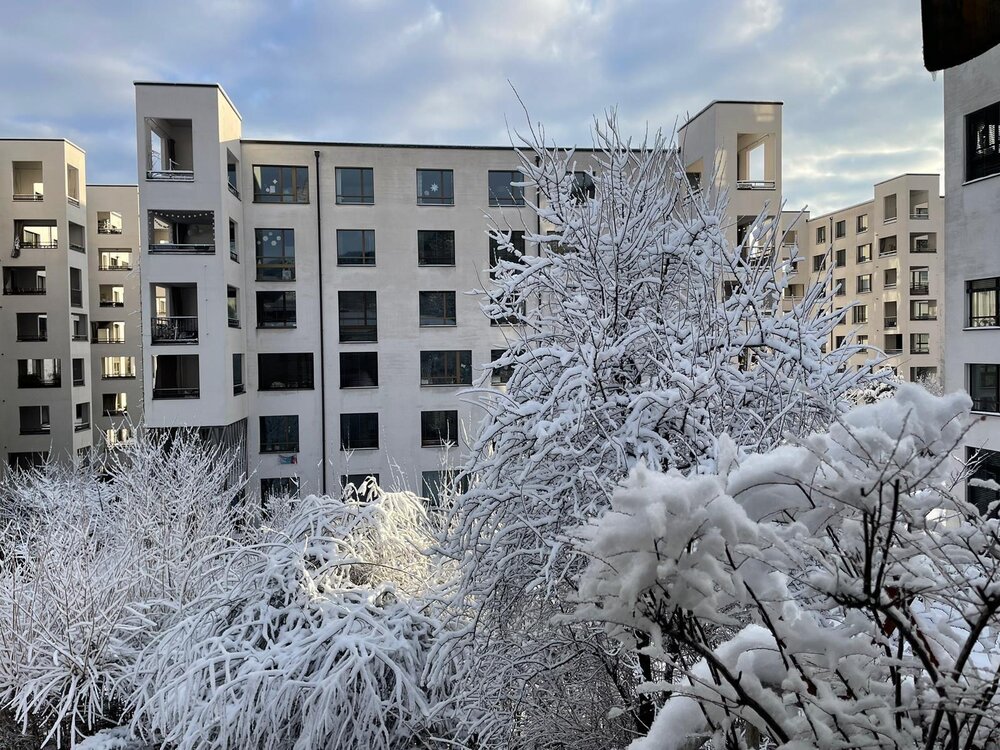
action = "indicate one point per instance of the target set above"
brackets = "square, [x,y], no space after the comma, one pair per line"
[177,329]
[41,429]
[117,338]
[984,403]
[920,213]
[79,381]
[32,336]
[755,184]
[76,297]
[923,316]
[920,350]
[34,245]
[78,247]
[893,350]
[889,220]
[79,336]
[112,303]
[37,381]
[984,321]
[891,322]
[920,288]
[106,227]
[81,426]
[73,201]
[117,411]
[233,190]
[177,247]
[114,266]
[121,375]
[923,246]
[180,391]
[234,322]
[170,175]
[28,196]
[19,289]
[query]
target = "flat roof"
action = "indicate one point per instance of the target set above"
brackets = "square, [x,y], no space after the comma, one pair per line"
[351,144]
[726,101]
[910,174]
[192,85]
[51,140]
[114,184]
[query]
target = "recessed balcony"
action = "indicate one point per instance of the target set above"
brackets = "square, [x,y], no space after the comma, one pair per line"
[24,280]
[41,234]
[176,319]
[28,184]
[182,232]
[109,222]
[32,327]
[175,376]
[174,329]
[169,150]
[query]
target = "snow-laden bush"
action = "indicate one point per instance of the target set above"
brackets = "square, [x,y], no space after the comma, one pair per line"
[92,563]
[644,337]
[829,593]
[315,637]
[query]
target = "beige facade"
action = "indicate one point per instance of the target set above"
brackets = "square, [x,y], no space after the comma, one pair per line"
[887,256]
[50,398]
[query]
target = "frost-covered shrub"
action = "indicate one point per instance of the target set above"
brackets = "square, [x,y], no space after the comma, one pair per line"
[857,598]
[315,637]
[92,563]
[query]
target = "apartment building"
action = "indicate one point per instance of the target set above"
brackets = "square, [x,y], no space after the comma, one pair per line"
[50,395]
[972,226]
[887,257]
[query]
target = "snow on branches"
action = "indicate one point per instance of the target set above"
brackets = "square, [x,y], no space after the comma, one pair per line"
[829,593]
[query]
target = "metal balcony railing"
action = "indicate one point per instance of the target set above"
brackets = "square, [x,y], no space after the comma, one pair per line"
[178,247]
[984,321]
[176,329]
[37,336]
[923,246]
[78,247]
[106,227]
[117,338]
[170,175]
[233,190]
[79,336]
[41,429]
[81,426]
[891,322]
[28,196]
[73,201]
[920,288]
[104,266]
[755,184]
[37,381]
[920,213]
[15,288]
[35,245]
[177,391]
[118,375]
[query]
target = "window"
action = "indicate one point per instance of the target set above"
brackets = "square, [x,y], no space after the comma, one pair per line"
[276,487]
[109,222]
[272,184]
[584,187]
[502,191]
[275,254]
[40,234]
[890,278]
[32,326]
[79,371]
[233,174]
[982,295]
[841,258]
[435,247]
[511,253]
[355,186]
[358,369]
[985,466]
[176,376]
[860,314]
[78,327]
[446,367]
[820,235]
[278,372]
[359,431]
[34,420]
[276,309]
[117,259]
[862,223]
[114,404]
[435,187]
[920,280]
[437,309]
[984,381]
[358,316]
[357,480]
[117,367]
[864,252]
[864,283]
[887,246]
[81,418]
[923,309]
[440,485]
[39,373]
[234,242]
[819,263]
[438,428]
[862,339]
[28,183]
[233,306]
[889,209]
[920,343]
[24,461]
[499,375]
[239,384]
[73,184]
[982,142]
[355,247]
[840,229]
[75,287]
[840,287]
[279,434]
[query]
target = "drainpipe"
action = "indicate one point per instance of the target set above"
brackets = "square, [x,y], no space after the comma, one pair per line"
[322,333]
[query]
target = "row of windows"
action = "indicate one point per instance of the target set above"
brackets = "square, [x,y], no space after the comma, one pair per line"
[919,281]
[280,434]
[356,247]
[434,483]
[924,309]
[840,228]
[358,316]
[34,420]
[356,186]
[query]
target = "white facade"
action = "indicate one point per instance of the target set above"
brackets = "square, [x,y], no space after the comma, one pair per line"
[972,225]
[51,393]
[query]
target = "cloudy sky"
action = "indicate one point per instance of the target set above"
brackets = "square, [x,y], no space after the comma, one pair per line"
[859,107]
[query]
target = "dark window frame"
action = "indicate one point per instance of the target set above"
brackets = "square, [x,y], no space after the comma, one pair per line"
[990,289]
[287,173]
[438,435]
[367,330]
[991,401]
[367,258]
[282,321]
[447,305]
[360,199]
[287,429]
[982,142]
[456,370]
[354,423]
[513,195]
[447,188]
[437,258]
[356,370]
[304,369]
[286,270]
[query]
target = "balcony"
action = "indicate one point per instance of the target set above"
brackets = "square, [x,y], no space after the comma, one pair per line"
[111,295]
[36,429]
[28,185]
[35,235]
[109,222]
[920,288]
[891,322]
[169,155]
[24,281]
[81,426]
[923,243]
[920,213]
[117,368]
[32,327]
[115,260]
[175,376]
[112,332]
[183,232]
[176,329]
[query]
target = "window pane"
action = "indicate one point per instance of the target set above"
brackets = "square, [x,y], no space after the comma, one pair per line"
[278,434]
[437,309]
[358,316]
[452,367]
[435,187]
[358,431]
[355,185]
[285,371]
[436,248]
[358,369]
[438,428]
[275,254]
[356,247]
[276,309]
[502,192]
[983,386]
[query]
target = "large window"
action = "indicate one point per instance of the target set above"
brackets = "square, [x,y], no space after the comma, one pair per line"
[275,487]
[358,316]
[499,375]
[39,373]
[276,309]
[34,420]
[437,309]
[453,367]
[819,263]
[920,343]
[435,187]
[860,314]
[279,434]
[984,382]
[438,428]
[862,225]
[279,184]
[840,229]
[511,253]
[435,247]
[985,466]
[820,235]
[286,371]
[443,484]
[79,371]
[355,185]
[864,283]
[923,309]
[359,431]
[355,247]
[502,191]
[358,369]
[983,294]
[841,258]
[982,142]
[275,254]
[864,252]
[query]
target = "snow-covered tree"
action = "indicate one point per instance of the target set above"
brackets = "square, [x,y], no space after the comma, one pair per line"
[93,562]
[317,636]
[643,338]
[829,593]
